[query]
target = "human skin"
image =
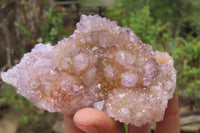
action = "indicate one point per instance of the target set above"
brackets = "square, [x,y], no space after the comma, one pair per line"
[90,120]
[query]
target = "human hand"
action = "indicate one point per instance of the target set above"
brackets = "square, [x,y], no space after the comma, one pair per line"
[90,120]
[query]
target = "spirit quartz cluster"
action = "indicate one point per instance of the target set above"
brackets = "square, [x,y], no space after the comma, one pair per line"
[101,65]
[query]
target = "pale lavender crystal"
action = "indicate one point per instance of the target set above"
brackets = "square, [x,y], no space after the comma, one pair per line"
[101,65]
[129,79]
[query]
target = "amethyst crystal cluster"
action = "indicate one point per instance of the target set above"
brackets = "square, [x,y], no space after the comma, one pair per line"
[101,65]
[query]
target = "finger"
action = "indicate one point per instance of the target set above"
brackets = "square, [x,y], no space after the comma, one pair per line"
[70,126]
[170,123]
[92,120]
[143,129]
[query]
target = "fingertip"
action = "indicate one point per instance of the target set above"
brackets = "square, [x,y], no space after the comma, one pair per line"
[92,120]
[83,120]
[70,126]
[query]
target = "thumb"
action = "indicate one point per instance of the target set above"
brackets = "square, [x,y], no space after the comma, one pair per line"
[91,120]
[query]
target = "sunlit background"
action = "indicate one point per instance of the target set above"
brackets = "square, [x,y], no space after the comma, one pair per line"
[168,25]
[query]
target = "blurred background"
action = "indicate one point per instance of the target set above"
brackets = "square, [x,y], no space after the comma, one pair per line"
[169,25]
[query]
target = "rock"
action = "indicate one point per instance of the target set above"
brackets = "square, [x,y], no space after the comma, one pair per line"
[184,110]
[193,128]
[189,120]
[6,125]
[59,127]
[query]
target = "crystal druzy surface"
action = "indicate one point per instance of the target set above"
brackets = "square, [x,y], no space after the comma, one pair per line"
[101,65]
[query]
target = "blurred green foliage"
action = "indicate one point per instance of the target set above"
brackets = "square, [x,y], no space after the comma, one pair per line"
[24,108]
[168,26]
[52,26]
[144,25]
[23,30]
[52,31]
[126,127]
[187,63]
[171,26]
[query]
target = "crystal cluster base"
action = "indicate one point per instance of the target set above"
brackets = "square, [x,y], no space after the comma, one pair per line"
[101,65]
